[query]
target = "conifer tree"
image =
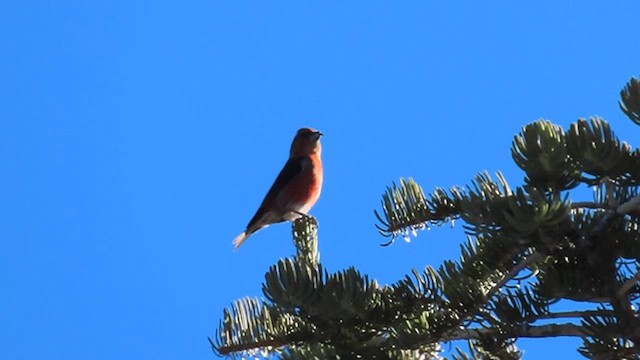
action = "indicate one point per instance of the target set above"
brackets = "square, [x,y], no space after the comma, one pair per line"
[528,247]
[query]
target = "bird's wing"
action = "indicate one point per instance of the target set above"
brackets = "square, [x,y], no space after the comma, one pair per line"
[291,169]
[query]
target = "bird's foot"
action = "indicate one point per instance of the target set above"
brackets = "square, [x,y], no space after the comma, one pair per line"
[306,217]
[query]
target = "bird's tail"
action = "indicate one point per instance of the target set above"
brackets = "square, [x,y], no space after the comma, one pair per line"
[254,226]
[239,240]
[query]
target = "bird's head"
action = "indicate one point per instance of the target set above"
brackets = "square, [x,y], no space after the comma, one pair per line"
[306,142]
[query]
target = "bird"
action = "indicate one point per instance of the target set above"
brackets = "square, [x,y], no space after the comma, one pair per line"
[295,190]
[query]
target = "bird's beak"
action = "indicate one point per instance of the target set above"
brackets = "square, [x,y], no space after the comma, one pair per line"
[319,135]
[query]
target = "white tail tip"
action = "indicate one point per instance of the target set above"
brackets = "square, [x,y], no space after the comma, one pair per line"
[239,240]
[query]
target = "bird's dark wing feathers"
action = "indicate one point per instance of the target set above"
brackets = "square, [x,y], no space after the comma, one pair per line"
[291,169]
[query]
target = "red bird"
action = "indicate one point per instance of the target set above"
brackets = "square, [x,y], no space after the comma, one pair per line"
[296,189]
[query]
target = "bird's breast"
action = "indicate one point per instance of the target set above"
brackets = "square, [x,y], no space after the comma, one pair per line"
[305,188]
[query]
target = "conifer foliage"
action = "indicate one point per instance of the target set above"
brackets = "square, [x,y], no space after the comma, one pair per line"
[528,247]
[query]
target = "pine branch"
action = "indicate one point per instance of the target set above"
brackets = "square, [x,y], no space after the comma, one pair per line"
[629,206]
[521,331]
[305,237]
[624,289]
[532,259]
[228,349]
[628,317]
[630,100]
[571,314]
[587,204]
[609,217]
[601,255]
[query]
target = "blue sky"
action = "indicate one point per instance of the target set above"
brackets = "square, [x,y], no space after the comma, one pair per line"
[138,138]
